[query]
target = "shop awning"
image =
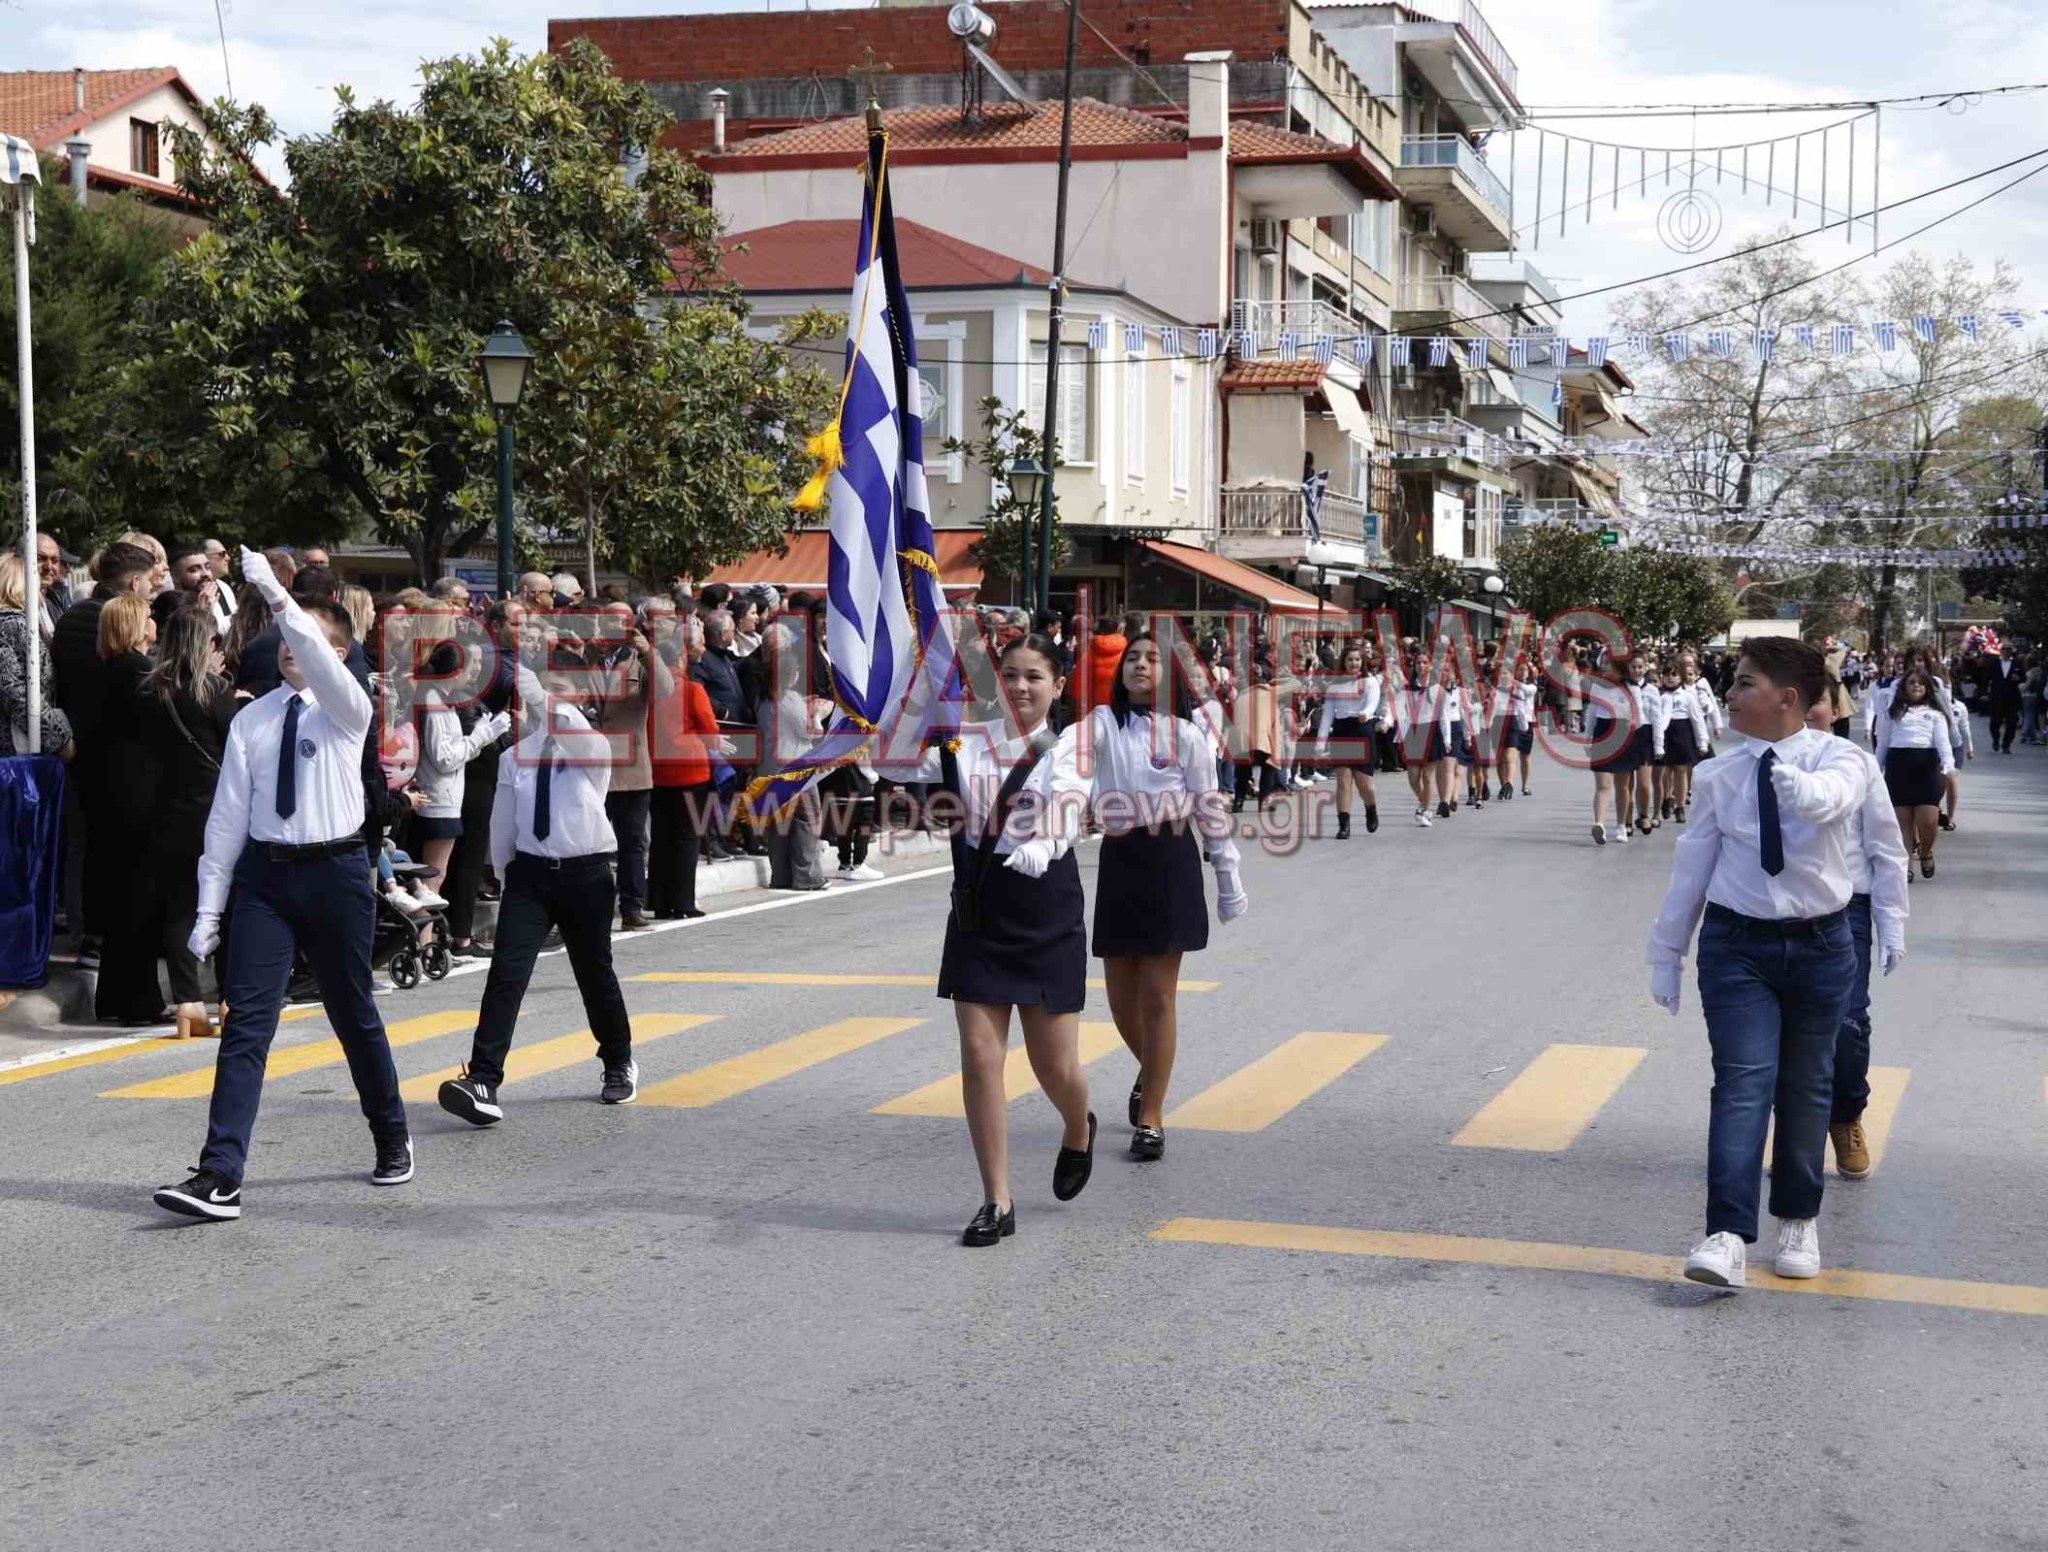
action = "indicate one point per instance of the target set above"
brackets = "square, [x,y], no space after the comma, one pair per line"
[807,560]
[1351,415]
[1596,495]
[1504,384]
[1252,583]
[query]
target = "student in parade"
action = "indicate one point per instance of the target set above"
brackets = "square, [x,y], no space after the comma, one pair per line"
[1351,714]
[1685,741]
[1015,939]
[286,828]
[1767,857]
[1449,748]
[1152,772]
[1520,741]
[1913,745]
[1414,734]
[1625,774]
[552,846]
[1485,705]
[1961,736]
[1710,707]
[1877,909]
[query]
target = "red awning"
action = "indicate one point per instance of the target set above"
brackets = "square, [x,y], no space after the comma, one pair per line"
[805,563]
[1276,595]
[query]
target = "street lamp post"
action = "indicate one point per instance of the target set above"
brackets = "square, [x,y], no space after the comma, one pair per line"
[505,361]
[1027,477]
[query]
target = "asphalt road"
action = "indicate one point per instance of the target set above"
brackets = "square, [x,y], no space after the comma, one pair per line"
[1425,1296]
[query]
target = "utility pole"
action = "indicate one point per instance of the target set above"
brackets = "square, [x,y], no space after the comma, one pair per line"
[1041,595]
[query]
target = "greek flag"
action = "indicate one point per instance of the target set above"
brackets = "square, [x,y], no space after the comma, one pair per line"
[1098,334]
[1400,350]
[1169,342]
[1557,394]
[1765,343]
[1312,490]
[1134,338]
[1636,342]
[1205,344]
[1845,338]
[1678,346]
[1326,348]
[1518,352]
[1290,345]
[884,601]
[2012,318]
[1361,350]
[1560,349]
[1475,352]
[1596,350]
[1247,344]
[1440,351]
[1721,342]
[1802,335]
[1887,335]
[1967,322]
[1923,328]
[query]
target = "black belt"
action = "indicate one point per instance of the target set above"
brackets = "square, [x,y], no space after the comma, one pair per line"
[1791,927]
[278,852]
[556,864]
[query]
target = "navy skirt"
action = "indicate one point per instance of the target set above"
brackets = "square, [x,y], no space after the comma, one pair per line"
[1148,895]
[1912,778]
[1364,736]
[1681,745]
[1638,752]
[1031,949]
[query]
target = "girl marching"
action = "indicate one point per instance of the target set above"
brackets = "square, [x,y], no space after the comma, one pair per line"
[1014,938]
[1154,773]
[1914,747]
[1352,712]
[1520,741]
[1624,775]
[1685,741]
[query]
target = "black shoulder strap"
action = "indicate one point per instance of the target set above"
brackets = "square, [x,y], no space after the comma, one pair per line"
[1006,800]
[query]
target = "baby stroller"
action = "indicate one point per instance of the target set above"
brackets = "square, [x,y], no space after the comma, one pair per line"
[398,946]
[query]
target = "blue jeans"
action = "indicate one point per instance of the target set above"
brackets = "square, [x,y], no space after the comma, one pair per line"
[1774,995]
[1852,1041]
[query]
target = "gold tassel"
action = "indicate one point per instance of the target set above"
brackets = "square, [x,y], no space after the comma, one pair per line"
[812,496]
[827,448]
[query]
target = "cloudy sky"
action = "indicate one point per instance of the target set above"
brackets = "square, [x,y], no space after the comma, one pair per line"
[290,54]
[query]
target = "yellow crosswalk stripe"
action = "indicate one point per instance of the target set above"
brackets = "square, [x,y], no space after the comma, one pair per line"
[94,1058]
[531,1061]
[1887,1089]
[1255,1096]
[805,978]
[1553,1099]
[946,1097]
[750,1070]
[288,1060]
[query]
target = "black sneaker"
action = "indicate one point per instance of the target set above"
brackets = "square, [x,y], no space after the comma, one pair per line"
[89,954]
[1443,809]
[394,1163]
[206,1195]
[621,1084]
[1944,820]
[472,1099]
[1372,820]
[1148,1143]
[1070,1171]
[1343,827]
[470,950]
[989,1226]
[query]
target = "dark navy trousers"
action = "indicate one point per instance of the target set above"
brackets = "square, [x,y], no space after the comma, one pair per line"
[321,906]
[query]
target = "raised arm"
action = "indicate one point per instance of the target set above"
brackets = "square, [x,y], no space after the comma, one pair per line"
[346,703]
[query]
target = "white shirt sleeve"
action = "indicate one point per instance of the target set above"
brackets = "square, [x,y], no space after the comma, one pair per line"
[327,676]
[1942,745]
[1208,804]
[1881,726]
[227,824]
[1831,791]
[1660,719]
[1693,857]
[504,819]
[1885,850]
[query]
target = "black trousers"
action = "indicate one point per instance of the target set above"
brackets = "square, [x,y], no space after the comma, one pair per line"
[674,818]
[575,896]
[323,907]
[176,884]
[2005,725]
[628,812]
[130,913]
[473,847]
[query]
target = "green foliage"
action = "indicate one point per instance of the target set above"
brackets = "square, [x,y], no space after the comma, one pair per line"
[89,271]
[1425,583]
[1007,435]
[1552,567]
[1661,597]
[311,363]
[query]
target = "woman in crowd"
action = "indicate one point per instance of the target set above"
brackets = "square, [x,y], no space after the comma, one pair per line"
[449,738]
[1014,938]
[1962,738]
[185,706]
[683,735]
[362,614]
[1152,768]
[14,629]
[128,991]
[789,723]
[1913,745]
[1449,747]
[1521,732]
[1684,740]
[160,574]
[1351,714]
[1263,733]
[251,619]
[1711,711]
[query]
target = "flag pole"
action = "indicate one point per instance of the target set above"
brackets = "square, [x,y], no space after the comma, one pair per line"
[1041,595]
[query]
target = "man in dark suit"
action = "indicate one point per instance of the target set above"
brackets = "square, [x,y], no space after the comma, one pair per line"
[2001,687]
[50,574]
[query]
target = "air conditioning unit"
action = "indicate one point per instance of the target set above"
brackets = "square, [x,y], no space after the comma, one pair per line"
[1422,220]
[1266,235]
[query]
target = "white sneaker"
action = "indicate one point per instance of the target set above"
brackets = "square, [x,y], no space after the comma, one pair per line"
[1719,1261]
[1621,836]
[403,902]
[860,875]
[431,901]
[1798,1247]
[1422,817]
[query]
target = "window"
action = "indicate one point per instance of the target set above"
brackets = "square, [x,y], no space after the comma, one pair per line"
[1075,393]
[142,151]
[1177,409]
[1136,433]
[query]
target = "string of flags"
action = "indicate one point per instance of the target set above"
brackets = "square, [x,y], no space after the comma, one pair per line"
[1900,557]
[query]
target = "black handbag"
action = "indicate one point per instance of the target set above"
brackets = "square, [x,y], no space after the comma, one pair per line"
[967,893]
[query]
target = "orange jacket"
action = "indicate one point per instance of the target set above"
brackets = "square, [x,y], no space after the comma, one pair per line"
[1098,674]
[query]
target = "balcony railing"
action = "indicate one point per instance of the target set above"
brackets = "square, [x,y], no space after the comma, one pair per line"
[1267,321]
[1457,152]
[1465,16]
[1453,295]
[1446,436]
[1269,512]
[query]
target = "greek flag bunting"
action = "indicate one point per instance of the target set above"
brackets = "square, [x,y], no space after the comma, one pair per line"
[1887,335]
[1440,350]
[1923,328]
[1560,350]
[1399,350]
[1361,350]
[1721,342]
[1518,352]
[1802,335]
[1596,350]
[1326,348]
[2012,318]
[1098,333]
[1290,345]
[1636,342]
[1205,344]
[1678,346]
[1765,343]
[1169,341]
[1134,338]
[884,642]
[1967,323]
[1844,338]
[1475,352]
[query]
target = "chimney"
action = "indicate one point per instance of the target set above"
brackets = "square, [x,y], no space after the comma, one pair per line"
[1209,95]
[78,88]
[78,148]
[719,98]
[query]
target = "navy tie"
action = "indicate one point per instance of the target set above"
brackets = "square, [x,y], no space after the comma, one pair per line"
[543,792]
[1770,839]
[288,761]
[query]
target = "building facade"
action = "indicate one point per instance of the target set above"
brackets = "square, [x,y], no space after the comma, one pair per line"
[114,122]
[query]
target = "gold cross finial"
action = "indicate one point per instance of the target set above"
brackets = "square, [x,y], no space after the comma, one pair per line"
[871,72]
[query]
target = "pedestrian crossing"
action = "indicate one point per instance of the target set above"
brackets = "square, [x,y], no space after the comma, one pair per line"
[1550,1103]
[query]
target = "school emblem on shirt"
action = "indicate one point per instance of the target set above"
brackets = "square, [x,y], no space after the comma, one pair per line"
[306,749]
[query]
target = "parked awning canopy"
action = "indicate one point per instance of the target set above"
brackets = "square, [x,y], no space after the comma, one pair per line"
[1249,581]
[808,560]
[1350,413]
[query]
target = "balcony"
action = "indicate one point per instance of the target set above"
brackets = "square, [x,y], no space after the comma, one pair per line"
[1448,437]
[1270,523]
[1448,301]
[1267,321]
[1471,204]
[1566,510]
[1477,35]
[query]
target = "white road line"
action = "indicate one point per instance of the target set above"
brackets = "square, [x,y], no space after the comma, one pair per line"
[37,1058]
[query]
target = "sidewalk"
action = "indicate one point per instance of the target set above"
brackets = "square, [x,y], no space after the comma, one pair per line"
[55,1020]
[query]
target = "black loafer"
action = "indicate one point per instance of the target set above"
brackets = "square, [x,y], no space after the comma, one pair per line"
[1071,1169]
[990,1226]
[1137,1093]
[1148,1143]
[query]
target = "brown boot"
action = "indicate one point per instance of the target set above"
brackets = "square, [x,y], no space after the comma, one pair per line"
[1852,1150]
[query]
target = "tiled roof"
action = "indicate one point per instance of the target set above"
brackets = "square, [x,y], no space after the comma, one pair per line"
[1005,127]
[1251,376]
[1254,145]
[38,106]
[818,256]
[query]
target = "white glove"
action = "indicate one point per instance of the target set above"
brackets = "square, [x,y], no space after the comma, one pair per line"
[257,573]
[1664,982]
[498,724]
[205,935]
[1893,958]
[1791,785]
[1231,900]
[1031,859]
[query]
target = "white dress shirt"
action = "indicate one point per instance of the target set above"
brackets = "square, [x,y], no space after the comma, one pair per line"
[1710,708]
[1917,727]
[1961,739]
[1158,771]
[334,717]
[577,823]
[223,607]
[1681,705]
[1052,800]
[1717,858]
[1877,856]
[1522,705]
[1360,698]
